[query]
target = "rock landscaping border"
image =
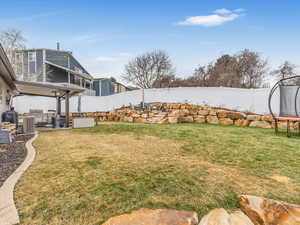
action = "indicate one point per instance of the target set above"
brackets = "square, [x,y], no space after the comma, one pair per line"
[12,155]
[8,211]
[168,113]
[253,210]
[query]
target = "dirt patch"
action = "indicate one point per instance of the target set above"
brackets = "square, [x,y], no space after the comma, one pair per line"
[281,179]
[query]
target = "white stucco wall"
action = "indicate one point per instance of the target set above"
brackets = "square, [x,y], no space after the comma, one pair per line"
[4,91]
[251,100]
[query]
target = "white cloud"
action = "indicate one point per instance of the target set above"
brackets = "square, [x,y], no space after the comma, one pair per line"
[240,10]
[222,11]
[219,17]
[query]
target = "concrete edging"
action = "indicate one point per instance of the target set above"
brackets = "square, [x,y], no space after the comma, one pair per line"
[8,211]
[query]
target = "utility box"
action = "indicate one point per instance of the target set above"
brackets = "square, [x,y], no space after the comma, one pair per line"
[80,122]
[5,136]
[28,125]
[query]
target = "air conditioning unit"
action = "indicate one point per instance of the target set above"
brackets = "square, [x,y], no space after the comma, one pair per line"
[28,125]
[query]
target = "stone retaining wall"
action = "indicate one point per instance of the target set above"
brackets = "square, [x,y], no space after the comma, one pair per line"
[165,113]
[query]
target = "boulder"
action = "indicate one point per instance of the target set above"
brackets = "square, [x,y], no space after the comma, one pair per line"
[212,112]
[254,117]
[139,120]
[135,115]
[164,121]
[268,118]
[203,112]
[230,114]
[144,115]
[193,111]
[242,123]
[179,112]
[186,119]
[199,119]
[260,124]
[264,211]
[239,218]
[225,121]
[128,119]
[155,217]
[212,119]
[216,217]
[283,125]
[172,119]
[155,119]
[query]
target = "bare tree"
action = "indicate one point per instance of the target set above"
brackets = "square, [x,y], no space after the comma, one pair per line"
[224,72]
[285,70]
[252,69]
[147,69]
[201,76]
[11,40]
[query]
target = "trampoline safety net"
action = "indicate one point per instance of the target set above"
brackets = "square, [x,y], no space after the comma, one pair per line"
[289,100]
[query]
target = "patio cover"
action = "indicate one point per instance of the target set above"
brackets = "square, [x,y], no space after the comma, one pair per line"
[46,89]
[57,91]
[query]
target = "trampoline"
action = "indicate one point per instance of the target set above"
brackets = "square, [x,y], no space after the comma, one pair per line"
[289,100]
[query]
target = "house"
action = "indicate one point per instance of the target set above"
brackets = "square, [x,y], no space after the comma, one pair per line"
[103,86]
[119,88]
[51,66]
[7,82]
[108,86]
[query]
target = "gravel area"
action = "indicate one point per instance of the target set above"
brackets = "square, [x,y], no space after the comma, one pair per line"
[11,156]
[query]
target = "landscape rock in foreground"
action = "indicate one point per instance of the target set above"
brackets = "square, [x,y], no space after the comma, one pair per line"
[222,217]
[254,211]
[155,217]
[264,211]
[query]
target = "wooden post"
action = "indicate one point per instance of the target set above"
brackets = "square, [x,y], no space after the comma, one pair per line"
[69,67]
[44,66]
[58,106]
[143,97]
[67,101]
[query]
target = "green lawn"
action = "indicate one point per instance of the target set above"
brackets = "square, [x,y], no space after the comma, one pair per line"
[85,176]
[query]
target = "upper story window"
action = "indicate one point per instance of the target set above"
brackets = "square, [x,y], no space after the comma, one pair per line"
[31,62]
[18,65]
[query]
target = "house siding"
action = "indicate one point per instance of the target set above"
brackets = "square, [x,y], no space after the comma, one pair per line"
[39,65]
[56,75]
[58,58]
[103,87]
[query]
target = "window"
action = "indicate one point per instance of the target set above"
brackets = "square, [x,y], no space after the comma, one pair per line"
[31,62]
[18,65]
[31,56]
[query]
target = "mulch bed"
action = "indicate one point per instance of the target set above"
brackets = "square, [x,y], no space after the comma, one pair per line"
[12,155]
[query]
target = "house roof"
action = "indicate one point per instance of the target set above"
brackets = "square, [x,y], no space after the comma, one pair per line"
[6,70]
[40,49]
[103,78]
[84,75]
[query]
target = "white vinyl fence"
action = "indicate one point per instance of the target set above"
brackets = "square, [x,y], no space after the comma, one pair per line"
[250,100]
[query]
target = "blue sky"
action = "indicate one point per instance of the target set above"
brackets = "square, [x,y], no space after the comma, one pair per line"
[104,35]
